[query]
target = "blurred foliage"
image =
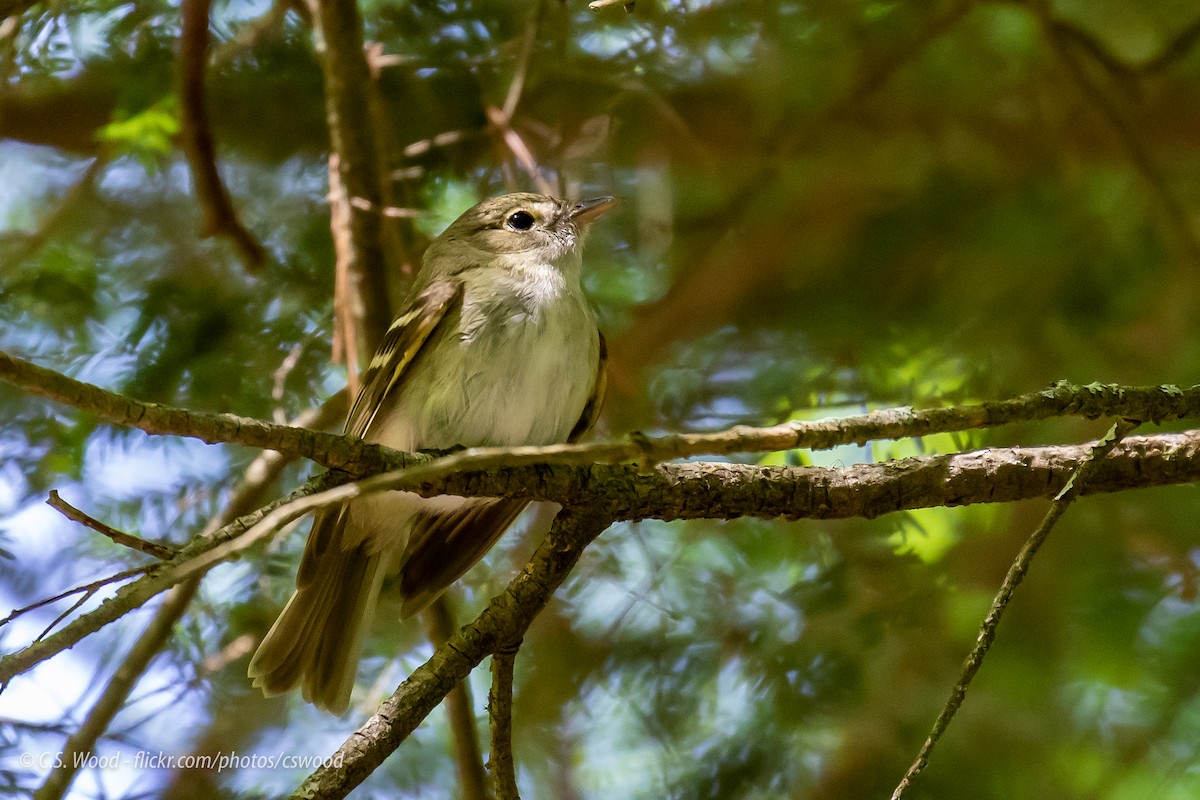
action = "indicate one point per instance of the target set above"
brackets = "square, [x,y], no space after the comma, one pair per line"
[829,207]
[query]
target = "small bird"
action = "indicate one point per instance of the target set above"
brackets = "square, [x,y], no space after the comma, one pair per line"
[497,346]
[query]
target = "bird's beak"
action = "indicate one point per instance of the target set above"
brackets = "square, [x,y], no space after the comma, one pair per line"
[586,211]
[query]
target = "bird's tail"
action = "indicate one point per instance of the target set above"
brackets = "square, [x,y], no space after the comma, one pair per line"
[316,640]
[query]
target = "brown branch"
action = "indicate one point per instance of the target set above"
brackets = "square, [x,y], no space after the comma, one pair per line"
[505,620]
[348,310]
[337,34]
[220,218]
[460,709]
[160,551]
[516,145]
[500,761]
[1016,573]
[882,72]
[1177,48]
[1177,217]
[396,228]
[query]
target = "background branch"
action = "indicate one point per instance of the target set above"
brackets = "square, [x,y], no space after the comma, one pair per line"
[361,268]
[1177,217]
[460,709]
[220,218]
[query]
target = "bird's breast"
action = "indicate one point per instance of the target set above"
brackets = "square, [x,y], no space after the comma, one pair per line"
[510,369]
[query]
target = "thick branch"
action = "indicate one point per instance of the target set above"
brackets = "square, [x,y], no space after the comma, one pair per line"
[701,491]
[502,622]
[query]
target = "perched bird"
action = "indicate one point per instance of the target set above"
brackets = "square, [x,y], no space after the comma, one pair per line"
[497,346]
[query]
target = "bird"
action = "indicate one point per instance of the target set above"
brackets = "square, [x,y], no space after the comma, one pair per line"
[496,346]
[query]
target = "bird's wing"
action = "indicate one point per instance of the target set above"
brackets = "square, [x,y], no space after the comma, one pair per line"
[591,410]
[443,546]
[399,349]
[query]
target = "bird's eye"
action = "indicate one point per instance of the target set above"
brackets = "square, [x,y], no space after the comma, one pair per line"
[520,220]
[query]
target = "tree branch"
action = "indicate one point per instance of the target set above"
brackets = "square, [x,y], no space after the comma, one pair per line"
[337,34]
[686,491]
[1121,122]
[220,217]
[327,449]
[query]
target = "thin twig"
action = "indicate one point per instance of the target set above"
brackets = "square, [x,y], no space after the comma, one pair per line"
[1178,47]
[516,145]
[160,551]
[1175,50]
[501,118]
[88,590]
[517,85]
[1016,573]
[500,761]
[82,741]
